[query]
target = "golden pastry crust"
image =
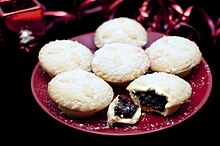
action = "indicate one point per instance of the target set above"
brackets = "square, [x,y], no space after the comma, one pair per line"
[175,90]
[174,54]
[112,118]
[63,55]
[121,30]
[80,93]
[119,63]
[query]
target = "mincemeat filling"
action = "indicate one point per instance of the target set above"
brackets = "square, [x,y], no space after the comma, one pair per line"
[151,99]
[125,107]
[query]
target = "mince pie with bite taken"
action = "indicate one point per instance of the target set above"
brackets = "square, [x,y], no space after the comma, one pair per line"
[159,92]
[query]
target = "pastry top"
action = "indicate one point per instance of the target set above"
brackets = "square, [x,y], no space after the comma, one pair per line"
[119,63]
[174,88]
[122,30]
[173,54]
[80,90]
[63,55]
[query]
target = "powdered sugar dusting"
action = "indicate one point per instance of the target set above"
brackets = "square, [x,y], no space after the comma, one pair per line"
[120,62]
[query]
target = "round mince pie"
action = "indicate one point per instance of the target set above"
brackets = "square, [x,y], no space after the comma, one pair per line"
[63,55]
[80,93]
[120,63]
[121,30]
[123,110]
[159,92]
[174,54]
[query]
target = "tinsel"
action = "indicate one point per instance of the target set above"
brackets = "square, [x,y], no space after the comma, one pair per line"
[165,16]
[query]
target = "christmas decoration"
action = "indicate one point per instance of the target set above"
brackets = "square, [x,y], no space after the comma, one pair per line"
[169,17]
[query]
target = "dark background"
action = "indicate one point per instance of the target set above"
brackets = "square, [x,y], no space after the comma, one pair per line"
[27,123]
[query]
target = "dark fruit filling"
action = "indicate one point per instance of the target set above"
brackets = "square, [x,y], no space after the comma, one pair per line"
[151,99]
[125,108]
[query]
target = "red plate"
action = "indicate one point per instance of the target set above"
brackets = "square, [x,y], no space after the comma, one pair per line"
[200,79]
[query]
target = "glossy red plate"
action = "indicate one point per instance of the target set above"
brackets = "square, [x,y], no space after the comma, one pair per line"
[200,79]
